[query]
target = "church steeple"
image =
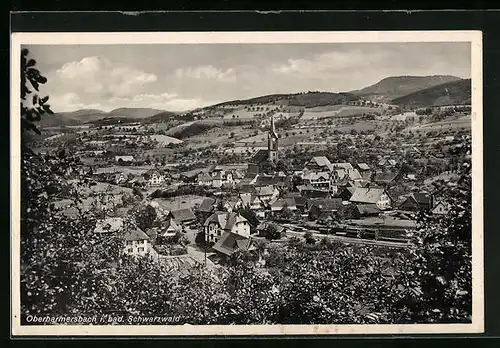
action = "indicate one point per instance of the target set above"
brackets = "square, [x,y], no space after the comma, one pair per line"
[272,142]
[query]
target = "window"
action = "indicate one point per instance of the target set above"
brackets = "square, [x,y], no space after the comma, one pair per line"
[141,249]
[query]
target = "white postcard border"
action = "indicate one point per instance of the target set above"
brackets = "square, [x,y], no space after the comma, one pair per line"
[60,38]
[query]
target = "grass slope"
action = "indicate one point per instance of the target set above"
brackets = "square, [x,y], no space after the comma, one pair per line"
[398,86]
[450,93]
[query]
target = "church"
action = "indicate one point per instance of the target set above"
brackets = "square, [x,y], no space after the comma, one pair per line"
[262,157]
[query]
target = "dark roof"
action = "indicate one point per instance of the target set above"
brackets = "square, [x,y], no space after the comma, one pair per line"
[182,215]
[384,177]
[421,198]
[269,180]
[260,156]
[232,219]
[368,209]
[207,206]
[280,203]
[228,243]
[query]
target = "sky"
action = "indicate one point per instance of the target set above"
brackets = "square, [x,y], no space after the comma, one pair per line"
[179,77]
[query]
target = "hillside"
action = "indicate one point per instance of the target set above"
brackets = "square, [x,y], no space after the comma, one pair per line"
[398,86]
[450,93]
[134,112]
[309,99]
[91,115]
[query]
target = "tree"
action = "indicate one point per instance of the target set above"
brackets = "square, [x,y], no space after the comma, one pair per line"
[145,217]
[271,232]
[309,237]
[249,214]
[33,107]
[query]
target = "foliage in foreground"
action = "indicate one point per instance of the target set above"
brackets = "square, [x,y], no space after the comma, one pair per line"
[66,268]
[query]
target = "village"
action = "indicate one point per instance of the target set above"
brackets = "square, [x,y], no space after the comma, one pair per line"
[203,208]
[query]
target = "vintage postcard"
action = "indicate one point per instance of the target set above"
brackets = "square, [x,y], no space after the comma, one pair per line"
[246,183]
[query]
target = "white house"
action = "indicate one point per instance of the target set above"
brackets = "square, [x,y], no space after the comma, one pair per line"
[204,179]
[156,178]
[367,195]
[220,222]
[138,243]
[441,208]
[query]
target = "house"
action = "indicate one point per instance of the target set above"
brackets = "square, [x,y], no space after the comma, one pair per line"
[262,229]
[441,208]
[155,178]
[207,206]
[266,193]
[345,193]
[232,204]
[223,222]
[308,191]
[280,204]
[204,179]
[317,179]
[363,167]
[221,177]
[120,178]
[417,201]
[317,207]
[385,178]
[230,242]
[109,226]
[366,210]
[367,195]
[319,164]
[170,228]
[138,243]
[300,201]
[124,158]
[346,166]
[183,216]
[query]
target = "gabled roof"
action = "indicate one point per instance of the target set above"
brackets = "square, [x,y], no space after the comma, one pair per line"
[421,198]
[260,156]
[317,176]
[171,225]
[367,208]
[228,243]
[246,198]
[354,174]
[204,177]
[280,203]
[363,166]
[207,206]
[136,234]
[232,219]
[345,165]
[264,190]
[367,195]
[321,161]
[183,215]
[327,204]
[385,177]
[217,217]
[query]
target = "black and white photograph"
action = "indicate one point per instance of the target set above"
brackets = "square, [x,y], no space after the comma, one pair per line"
[246,183]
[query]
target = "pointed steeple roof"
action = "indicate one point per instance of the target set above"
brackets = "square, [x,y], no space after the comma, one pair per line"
[272,130]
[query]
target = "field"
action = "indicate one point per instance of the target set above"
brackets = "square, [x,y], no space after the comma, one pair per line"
[217,136]
[179,202]
[337,111]
[164,140]
[463,122]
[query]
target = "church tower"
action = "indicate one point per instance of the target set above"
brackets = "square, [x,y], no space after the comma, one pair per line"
[272,143]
